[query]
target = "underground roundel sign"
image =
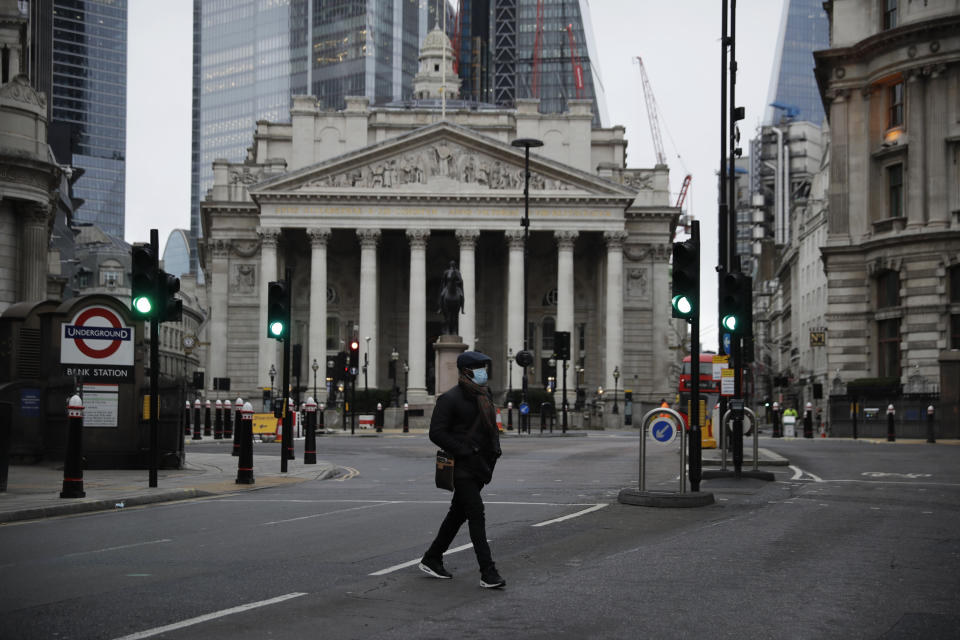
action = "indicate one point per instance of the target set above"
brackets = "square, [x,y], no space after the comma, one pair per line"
[96,336]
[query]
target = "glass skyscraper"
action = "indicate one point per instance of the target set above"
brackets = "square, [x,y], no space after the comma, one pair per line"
[89,100]
[251,56]
[804,28]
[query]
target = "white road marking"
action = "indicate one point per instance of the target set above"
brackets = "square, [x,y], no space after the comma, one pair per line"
[571,515]
[123,546]
[328,513]
[209,616]
[798,474]
[404,565]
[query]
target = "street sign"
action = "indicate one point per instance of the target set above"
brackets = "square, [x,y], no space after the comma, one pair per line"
[726,343]
[663,431]
[727,382]
[97,340]
[524,408]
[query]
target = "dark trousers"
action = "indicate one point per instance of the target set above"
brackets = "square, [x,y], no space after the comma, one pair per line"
[467,505]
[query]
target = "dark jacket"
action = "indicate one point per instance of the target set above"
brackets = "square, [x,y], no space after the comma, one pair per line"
[475,450]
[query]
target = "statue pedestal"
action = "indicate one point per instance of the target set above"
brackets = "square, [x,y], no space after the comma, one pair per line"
[446,350]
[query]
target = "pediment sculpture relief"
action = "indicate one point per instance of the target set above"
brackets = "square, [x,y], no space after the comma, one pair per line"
[440,161]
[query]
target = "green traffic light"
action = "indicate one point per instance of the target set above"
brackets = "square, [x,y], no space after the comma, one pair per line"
[276,328]
[143,305]
[683,305]
[729,323]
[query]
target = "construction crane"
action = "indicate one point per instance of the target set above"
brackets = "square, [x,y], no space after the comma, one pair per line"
[537,40]
[575,63]
[683,190]
[652,114]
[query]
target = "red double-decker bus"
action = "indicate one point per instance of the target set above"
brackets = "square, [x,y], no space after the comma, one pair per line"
[709,394]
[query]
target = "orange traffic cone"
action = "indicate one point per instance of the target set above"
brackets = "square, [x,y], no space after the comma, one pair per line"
[499,421]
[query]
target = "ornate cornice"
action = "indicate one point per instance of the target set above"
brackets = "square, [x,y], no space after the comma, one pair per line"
[615,239]
[269,236]
[467,236]
[514,238]
[318,236]
[565,239]
[369,237]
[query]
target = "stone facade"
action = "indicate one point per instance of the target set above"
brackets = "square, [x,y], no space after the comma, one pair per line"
[367,206]
[891,85]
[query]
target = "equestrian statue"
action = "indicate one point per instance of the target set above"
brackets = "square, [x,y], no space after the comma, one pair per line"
[451,299]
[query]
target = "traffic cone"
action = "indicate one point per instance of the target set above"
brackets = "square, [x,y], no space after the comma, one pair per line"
[499,421]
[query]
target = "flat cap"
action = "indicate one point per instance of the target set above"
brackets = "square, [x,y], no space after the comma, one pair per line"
[472,360]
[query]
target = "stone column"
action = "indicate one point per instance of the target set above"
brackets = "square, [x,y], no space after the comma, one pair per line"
[565,310]
[839,218]
[318,297]
[369,238]
[938,213]
[267,347]
[614,318]
[468,320]
[219,309]
[915,179]
[417,317]
[33,255]
[515,299]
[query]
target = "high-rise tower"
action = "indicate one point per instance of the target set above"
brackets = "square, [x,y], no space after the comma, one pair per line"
[88,97]
[793,92]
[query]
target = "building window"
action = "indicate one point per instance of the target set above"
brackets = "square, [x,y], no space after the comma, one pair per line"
[888,348]
[888,289]
[954,278]
[955,331]
[895,191]
[895,98]
[890,14]
[333,334]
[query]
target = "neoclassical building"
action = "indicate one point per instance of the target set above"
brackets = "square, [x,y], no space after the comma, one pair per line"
[891,86]
[367,206]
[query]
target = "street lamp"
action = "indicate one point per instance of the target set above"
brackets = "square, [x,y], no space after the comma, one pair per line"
[526,144]
[406,377]
[331,390]
[394,391]
[509,373]
[273,374]
[315,366]
[366,360]
[616,378]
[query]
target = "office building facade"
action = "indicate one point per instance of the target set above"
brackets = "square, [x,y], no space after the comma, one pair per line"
[793,93]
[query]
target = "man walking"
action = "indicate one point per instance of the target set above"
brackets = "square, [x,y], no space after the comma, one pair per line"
[464,424]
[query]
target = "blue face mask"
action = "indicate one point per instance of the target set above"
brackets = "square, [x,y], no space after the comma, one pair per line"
[480,376]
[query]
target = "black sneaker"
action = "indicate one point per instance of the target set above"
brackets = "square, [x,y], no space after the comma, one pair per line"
[490,579]
[434,568]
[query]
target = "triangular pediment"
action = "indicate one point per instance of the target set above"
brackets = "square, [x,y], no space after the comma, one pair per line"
[439,159]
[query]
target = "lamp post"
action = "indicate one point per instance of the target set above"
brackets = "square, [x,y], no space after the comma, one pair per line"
[526,144]
[394,391]
[366,360]
[273,374]
[406,378]
[616,378]
[509,373]
[577,406]
[331,389]
[315,366]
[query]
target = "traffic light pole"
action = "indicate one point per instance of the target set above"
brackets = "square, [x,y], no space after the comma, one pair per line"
[154,376]
[287,426]
[695,454]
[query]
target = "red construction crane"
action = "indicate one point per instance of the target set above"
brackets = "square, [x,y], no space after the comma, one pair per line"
[457,35]
[575,63]
[683,190]
[652,114]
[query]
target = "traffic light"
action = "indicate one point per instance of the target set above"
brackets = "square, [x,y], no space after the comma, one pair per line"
[144,281]
[736,303]
[686,279]
[171,307]
[354,357]
[278,310]
[341,368]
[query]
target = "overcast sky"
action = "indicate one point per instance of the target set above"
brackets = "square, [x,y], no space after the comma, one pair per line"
[679,42]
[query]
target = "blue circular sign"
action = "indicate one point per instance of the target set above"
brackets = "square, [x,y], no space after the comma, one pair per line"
[726,343]
[663,431]
[524,408]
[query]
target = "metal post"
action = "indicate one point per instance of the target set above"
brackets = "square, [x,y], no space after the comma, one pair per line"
[378,418]
[931,436]
[73,462]
[509,416]
[218,421]
[154,378]
[187,429]
[891,430]
[196,420]
[237,421]
[310,444]
[406,418]
[286,433]
[245,459]
[207,427]
[565,363]
[227,420]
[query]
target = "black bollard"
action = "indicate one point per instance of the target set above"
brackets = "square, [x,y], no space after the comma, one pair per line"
[218,421]
[288,423]
[891,432]
[808,422]
[777,424]
[509,416]
[245,461]
[406,418]
[310,444]
[6,427]
[853,413]
[320,426]
[196,420]
[186,420]
[207,427]
[227,421]
[379,417]
[237,418]
[73,463]
[931,437]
